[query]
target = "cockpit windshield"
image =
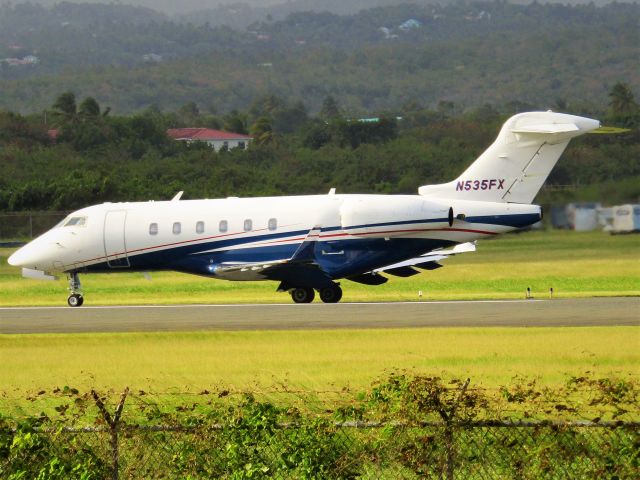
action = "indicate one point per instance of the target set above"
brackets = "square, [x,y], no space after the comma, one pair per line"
[76,222]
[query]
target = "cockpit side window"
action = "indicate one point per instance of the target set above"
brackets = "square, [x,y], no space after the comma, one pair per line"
[76,222]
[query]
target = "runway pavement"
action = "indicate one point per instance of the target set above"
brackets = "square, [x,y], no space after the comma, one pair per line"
[508,313]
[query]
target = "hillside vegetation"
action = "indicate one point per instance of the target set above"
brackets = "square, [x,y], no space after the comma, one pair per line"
[98,156]
[378,59]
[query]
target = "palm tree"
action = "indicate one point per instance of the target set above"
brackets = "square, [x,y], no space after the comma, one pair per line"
[262,131]
[89,108]
[621,99]
[65,106]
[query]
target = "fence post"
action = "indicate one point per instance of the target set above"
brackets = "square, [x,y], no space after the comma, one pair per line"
[114,424]
[447,417]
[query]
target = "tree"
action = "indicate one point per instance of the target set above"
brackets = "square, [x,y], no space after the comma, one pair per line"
[266,105]
[289,119]
[235,122]
[65,106]
[89,108]
[330,108]
[189,113]
[262,131]
[621,99]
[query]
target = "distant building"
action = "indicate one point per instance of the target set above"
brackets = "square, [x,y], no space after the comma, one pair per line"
[388,34]
[215,138]
[53,135]
[410,24]
[152,58]
[16,62]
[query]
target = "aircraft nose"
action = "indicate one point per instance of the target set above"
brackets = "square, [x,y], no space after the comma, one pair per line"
[32,255]
[21,257]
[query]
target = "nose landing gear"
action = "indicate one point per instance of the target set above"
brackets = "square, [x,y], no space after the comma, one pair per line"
[75,290]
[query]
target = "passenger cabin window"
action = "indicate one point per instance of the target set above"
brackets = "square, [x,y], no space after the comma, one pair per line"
[273,224]
[224,226]
[76,222]
[248,225]
[153,229]
[200,227]
[177,228]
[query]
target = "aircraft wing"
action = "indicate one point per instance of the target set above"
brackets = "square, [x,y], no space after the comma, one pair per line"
[428,261]
[301,269]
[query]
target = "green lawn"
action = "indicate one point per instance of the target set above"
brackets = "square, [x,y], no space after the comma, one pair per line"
[575,264]
[309,360]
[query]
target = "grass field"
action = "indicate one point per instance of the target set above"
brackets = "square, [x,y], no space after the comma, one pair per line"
[575,264]
[315,360]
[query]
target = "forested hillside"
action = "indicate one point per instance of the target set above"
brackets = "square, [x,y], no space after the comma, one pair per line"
[379,59]
[99,156]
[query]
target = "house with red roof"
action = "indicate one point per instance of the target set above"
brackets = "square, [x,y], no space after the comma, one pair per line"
[217,139]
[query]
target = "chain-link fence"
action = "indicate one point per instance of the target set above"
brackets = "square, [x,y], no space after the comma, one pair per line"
[16,226]
[324,450]
[405,427]
[251,440]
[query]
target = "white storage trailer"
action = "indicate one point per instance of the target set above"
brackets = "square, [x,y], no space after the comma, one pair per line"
[626,218]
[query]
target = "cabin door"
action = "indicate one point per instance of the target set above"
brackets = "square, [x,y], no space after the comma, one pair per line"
[115,248]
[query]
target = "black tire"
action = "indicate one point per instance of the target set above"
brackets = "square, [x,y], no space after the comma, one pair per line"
[75,300]
[303,295]
[331,294]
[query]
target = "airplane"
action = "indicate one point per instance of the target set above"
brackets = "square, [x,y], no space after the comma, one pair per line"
[309,243]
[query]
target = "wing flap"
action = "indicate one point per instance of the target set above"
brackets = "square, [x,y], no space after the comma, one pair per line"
[402,271]
[369,279]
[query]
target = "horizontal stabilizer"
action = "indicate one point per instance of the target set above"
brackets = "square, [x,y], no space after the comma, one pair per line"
[548,128]
[604,130]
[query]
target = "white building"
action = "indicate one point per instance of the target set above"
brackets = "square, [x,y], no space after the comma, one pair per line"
[215,138]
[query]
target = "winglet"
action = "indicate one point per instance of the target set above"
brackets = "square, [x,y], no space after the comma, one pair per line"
[306,250]
[177,196]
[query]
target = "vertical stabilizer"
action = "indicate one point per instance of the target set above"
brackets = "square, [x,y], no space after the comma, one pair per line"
[516,165]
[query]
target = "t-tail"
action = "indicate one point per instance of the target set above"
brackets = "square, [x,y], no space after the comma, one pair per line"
[516,165]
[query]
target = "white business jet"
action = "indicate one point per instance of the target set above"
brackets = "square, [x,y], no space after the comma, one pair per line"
[307,243]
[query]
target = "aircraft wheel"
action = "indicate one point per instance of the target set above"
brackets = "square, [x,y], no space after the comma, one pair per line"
[75,300]
[303,295]
[331,294]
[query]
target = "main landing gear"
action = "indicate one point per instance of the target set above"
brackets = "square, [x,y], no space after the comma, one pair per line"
[330,294]
[75,290]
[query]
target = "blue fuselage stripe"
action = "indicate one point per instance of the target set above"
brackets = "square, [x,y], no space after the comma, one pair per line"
[338,257]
